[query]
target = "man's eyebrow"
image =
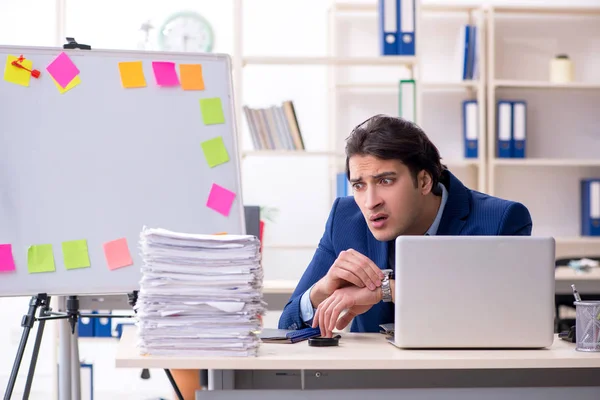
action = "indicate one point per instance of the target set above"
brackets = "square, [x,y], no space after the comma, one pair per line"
[384,174]
[378,176]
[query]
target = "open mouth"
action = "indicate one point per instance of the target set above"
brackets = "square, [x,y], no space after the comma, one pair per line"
[379,218]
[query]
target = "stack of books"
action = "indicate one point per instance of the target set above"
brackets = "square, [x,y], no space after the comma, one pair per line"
[275,127]
[200,295]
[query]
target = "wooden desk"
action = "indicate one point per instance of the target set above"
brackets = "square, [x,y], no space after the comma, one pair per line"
[357,350]
[369,361]
[586,282]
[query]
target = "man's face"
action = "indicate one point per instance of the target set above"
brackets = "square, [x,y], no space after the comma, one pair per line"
[386,194]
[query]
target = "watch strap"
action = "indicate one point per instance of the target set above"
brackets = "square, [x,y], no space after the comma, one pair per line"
[386,291]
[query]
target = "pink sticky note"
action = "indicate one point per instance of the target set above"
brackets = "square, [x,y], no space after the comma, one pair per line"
[7,262]
[220,199]
[165,73]
[117,254]
[62,69]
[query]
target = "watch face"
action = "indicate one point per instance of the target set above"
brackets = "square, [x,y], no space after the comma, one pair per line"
[186,31]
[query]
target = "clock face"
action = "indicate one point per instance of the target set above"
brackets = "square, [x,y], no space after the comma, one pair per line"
[186,31]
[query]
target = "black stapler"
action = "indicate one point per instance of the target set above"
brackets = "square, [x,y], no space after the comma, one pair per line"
[569,336]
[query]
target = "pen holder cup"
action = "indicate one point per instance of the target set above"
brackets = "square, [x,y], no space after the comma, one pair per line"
[587,321]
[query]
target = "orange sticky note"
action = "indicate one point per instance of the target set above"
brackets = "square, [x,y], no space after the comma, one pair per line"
[132,74]
[117,254]
[191,76]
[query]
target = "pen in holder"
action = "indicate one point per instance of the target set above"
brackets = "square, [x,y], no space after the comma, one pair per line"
[587,322]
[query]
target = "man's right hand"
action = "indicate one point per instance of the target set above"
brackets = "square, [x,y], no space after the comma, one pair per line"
[350,268]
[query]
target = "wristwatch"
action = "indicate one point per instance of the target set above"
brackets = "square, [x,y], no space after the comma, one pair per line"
[386,291]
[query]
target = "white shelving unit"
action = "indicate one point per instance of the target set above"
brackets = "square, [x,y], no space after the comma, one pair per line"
[562,128]
[472,171]
[349,61]
[357,77]
[355,71]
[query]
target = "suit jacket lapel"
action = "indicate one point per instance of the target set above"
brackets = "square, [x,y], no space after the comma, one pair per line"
[457,207]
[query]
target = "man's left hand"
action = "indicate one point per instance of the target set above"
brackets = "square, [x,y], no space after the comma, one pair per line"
[352,298]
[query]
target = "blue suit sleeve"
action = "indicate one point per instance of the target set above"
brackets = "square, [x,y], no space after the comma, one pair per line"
[323,259]
[516,221]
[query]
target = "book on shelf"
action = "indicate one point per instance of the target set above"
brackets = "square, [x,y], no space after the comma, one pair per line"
[407,100]
[467,54]
[512,128]
[590,207]
[274,127]
[470,128]
[396,24]
[342,186]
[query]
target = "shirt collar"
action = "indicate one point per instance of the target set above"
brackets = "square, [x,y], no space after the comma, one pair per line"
[432,231]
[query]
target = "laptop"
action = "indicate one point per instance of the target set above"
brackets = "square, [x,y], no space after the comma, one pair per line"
[474,292]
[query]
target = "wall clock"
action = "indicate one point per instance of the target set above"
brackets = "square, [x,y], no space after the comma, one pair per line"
[186,31]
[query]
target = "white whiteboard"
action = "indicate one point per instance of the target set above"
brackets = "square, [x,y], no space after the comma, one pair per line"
[99,162]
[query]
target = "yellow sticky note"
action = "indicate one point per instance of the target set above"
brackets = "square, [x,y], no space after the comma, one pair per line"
[40,258]
[75,254]
[215,151]
[132,74]
[17,75]
[191,76]
[76,81]
[212,111]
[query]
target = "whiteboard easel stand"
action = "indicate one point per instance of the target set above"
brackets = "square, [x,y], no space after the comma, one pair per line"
[97,63]
[72,314]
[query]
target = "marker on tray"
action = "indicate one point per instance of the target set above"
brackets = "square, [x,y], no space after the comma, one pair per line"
[17,63]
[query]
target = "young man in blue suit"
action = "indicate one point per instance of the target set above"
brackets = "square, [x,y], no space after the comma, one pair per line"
[400,188]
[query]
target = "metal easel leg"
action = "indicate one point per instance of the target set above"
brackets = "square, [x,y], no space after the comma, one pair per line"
[27,324]
[44,302]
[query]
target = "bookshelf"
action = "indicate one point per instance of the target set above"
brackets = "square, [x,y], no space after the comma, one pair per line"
[354,75]
[435,91]
[562,118]
[358,83]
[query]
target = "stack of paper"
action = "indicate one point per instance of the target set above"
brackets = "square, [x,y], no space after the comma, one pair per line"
[199,294]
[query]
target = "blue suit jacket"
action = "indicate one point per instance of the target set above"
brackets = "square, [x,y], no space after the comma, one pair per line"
[467,212]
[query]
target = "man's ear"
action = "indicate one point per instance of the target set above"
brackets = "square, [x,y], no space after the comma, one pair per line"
[425,182]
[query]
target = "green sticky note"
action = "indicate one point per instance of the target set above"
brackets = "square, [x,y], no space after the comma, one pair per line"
[212,111]
[40,259]
[215,151]
[75,254]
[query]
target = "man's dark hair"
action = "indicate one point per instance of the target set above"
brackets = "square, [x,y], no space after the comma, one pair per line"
[391,138]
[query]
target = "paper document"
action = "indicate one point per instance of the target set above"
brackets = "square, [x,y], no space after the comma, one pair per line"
[200,295]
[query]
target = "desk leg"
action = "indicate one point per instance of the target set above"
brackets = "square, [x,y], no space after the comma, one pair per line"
[219,379]
[64,354]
